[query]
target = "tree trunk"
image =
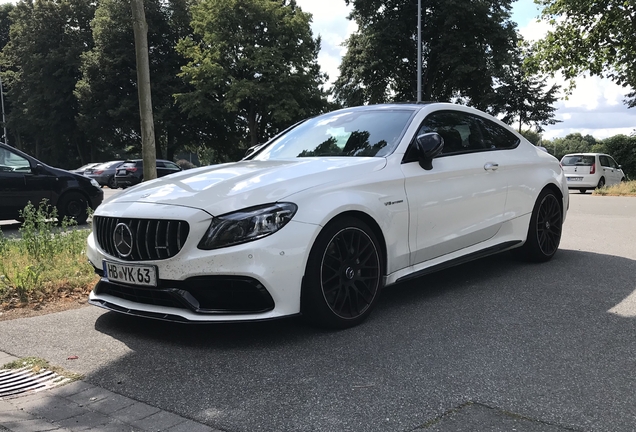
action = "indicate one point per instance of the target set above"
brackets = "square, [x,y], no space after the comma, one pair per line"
[140,28]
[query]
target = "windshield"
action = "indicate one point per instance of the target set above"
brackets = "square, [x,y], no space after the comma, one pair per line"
[349,133]
[577,160]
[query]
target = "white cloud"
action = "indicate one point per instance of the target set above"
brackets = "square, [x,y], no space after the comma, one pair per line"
[595,106]
[331,23]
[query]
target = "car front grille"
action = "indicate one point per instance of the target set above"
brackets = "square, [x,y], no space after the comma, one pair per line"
[149,239]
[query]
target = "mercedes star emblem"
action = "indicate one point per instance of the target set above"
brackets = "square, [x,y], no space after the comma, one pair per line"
[123,240]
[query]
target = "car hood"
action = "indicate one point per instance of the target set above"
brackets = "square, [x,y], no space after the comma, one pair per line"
[220,189]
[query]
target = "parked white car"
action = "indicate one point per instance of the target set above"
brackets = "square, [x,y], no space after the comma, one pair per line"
[591,170]
[322,217]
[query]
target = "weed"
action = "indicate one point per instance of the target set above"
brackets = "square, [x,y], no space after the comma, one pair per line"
[48,261]
[622,189]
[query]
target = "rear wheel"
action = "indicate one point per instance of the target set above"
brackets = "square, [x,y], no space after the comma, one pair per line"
[343,278]
[112,183]
[73,205]
[601,183]
[544,232]
[582,190]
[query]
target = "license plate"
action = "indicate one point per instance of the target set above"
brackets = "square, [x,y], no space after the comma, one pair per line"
[121,172]
[575,178]
[131,274]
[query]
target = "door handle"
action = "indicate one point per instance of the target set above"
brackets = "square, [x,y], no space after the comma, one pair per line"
[491,166]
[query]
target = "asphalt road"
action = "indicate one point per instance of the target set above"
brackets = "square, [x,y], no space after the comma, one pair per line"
[492,345]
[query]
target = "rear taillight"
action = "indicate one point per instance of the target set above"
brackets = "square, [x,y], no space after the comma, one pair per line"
[593,168]
[131,169]
[98,172]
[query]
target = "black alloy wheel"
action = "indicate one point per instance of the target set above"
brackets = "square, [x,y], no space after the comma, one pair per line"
[112,182]
[73,205]
[544,231]
[344,275]
[549,224]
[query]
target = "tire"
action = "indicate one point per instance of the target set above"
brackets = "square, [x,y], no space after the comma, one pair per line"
[623,180]
[544,231]
[601,183]
[112,183]
[73,205]
[582,191]
[344,275]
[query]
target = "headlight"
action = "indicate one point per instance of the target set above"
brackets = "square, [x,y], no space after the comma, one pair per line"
[247,225]
[94,183]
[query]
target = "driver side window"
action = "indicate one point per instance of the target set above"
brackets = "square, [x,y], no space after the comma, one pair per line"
[11,162]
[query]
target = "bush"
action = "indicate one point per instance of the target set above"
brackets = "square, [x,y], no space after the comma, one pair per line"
[48,260]
[185,165]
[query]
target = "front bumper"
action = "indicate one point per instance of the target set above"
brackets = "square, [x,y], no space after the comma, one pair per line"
[254,281]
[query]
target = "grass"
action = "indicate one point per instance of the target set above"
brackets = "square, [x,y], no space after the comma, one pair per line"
[38,365]
[622,189]
[47,262]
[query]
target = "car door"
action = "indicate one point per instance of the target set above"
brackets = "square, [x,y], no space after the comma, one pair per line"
[461,201]
[17,187]
[620,174]
[608,170]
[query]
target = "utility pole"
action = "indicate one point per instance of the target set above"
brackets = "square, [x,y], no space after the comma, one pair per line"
[4,123]
[140,29]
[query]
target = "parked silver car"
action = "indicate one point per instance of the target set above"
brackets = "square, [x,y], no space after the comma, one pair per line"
[104,174]
[591,170]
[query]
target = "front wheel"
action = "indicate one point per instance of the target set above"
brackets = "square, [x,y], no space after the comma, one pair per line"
[544,232]
[344,275]
[73,205]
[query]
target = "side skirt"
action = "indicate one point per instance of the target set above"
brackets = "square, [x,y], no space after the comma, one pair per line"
[461,260]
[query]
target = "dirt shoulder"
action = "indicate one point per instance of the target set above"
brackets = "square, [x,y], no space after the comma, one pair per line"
[51,306]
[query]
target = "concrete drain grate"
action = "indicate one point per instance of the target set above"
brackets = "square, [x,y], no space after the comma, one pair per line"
[19,382]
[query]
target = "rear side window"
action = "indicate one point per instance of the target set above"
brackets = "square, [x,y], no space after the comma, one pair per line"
[497,137]
[577,160]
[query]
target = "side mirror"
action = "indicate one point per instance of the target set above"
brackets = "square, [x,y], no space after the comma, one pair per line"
[428,146]
[253,149]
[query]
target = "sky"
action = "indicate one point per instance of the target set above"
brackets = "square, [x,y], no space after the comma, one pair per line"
[595,107]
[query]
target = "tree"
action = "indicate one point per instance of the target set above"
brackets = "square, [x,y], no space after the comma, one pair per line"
[523,97]
[623,149]
[253,65]
[42,58]
[107,91]
[592,36]
[465,47]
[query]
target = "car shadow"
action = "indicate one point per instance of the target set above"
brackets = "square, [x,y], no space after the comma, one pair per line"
[534,339]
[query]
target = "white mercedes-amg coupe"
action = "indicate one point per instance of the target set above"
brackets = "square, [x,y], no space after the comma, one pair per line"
[321,218]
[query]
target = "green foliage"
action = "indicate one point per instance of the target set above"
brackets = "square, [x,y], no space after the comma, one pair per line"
[41,61]
[524,99]
[251,60]
[47,254]
[592,36]
[623,149]
[465,47]
[107,90]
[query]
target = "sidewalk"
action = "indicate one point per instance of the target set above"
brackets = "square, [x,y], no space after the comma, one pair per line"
[82,406]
